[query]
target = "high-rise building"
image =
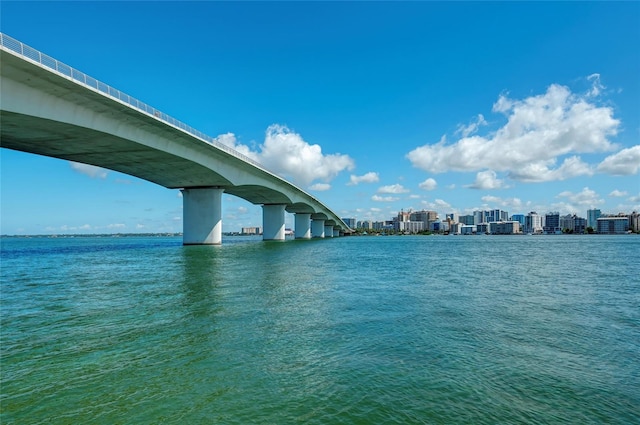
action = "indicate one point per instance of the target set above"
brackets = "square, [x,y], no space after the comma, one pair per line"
[592,218]
[351,222]
[552,223]
[519,218]
[634,222]
[466,219]
[532,223]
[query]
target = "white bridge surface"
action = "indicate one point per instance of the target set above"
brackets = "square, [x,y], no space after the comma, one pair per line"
[51,109]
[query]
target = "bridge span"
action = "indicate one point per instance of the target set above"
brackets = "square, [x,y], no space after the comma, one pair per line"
[51,109]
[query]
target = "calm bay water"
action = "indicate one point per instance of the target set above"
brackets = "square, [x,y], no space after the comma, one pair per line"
[483,330]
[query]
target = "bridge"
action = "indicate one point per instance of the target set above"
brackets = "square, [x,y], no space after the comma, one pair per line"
[51,109]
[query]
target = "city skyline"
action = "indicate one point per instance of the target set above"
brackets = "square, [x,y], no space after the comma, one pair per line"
[370,107]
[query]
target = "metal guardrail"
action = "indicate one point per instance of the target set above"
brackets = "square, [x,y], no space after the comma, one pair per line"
[82,78]
[79,77]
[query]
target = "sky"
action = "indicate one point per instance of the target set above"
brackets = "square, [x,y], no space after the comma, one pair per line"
[372,107]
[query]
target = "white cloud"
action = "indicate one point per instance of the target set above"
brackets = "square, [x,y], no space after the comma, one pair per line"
[320,187]
[89,170]
[596,86]
[634,198]
[383,198]
[624,163]
[618,193]
[487,180]
[467,130]
[428,184]
[286,153]
[539,130]
[116,226]
[512,203]
[369,177]
[540,171]
[583,200]
[393,188]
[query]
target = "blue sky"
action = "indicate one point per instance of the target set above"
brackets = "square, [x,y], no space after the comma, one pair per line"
[445,106]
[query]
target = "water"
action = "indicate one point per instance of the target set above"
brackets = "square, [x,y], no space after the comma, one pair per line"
[433,330]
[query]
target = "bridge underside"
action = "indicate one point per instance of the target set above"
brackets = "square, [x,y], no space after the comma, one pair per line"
[60,140]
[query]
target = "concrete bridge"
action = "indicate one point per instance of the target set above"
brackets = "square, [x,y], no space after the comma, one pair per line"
[49,108]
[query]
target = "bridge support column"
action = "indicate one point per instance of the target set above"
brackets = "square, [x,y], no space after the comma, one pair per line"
[303,226]
[273,222]
[328,231]
[317,228]
[336,233]
[202,216]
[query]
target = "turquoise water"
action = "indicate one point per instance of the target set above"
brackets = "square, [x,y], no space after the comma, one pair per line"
[359,330]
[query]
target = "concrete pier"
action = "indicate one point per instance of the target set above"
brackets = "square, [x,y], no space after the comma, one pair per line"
[273,222]
[202,211]
[317,228]
[328,231]
[303,226]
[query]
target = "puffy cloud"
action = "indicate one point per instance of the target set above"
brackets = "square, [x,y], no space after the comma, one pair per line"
[383,198]
[624,163]
[393,188]
[229,139]
[540,171]
[585,199]
[487,180]
[513,203]
[286,153]
[320,187]
[539,130]
[428,184]
[370,177]
[116,226]
[618,193]
[89,170]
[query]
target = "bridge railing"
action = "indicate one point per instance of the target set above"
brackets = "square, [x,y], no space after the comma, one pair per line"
[82,78]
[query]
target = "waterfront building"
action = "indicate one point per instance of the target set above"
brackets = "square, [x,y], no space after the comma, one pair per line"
[351,222]
[412,227]
[613,225]
[365,224]
[452,217]
[504,227]
[251,230]
[482,228]
[466,219]
[425,216]
[567,223]
[467,229]
[579,224]
[533,223]
[592,218]
[478,217]
[634,222]
[519,218]
[552,223]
